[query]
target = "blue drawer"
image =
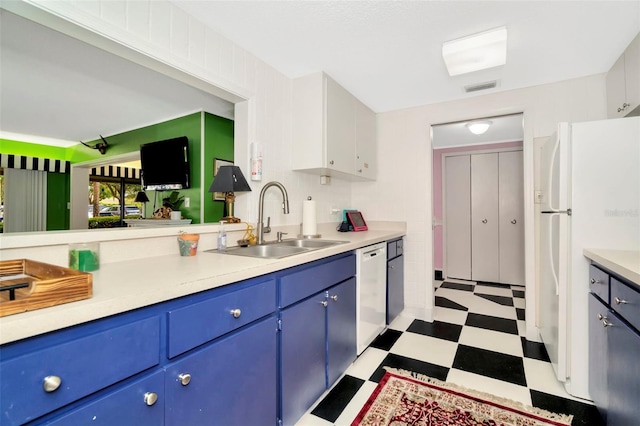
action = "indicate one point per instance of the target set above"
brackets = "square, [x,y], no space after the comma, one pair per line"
[302,284]
[626,302]
[84,365]
[126,406]
[599,283]
[202,322]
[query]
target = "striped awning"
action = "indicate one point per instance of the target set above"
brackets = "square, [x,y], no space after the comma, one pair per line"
[116,172]
[11,161]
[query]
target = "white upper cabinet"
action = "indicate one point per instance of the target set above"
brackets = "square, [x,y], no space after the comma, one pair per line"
[623,83]
[334,134]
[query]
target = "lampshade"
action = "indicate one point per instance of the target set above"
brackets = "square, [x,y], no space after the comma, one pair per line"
[141,197]
[229,179]
[478,127]
[476,52]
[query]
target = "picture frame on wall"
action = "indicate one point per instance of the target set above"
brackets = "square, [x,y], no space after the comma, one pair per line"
[217,163]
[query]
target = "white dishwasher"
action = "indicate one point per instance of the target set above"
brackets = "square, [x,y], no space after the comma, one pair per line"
[371,293]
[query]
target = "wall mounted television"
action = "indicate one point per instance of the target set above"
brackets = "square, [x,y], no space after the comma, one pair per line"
[165,164]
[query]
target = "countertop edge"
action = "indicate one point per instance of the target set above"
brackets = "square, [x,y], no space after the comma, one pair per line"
[625,263]
[202,272]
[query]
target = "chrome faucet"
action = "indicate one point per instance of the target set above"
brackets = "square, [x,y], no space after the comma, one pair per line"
[285,206]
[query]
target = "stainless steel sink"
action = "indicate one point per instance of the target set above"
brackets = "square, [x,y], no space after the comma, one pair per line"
[277,250]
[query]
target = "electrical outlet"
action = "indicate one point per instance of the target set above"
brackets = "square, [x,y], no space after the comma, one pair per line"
[187,201]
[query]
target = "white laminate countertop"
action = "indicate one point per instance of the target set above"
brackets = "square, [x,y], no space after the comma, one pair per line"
[124,286]
[625,263]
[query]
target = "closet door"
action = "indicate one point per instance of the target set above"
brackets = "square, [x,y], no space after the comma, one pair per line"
[484,218]
[457,204]
[511,218]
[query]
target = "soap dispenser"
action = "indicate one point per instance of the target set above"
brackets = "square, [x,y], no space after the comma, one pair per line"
[222,237]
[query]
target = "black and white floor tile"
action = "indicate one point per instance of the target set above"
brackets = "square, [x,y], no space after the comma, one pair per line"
[476,341]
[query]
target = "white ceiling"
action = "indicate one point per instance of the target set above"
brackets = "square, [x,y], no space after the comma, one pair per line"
[387,53]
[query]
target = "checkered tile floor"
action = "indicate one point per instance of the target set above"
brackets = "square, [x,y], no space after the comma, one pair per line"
[476,341]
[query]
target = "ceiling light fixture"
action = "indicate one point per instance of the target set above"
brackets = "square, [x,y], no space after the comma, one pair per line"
[478,127]
[476,52]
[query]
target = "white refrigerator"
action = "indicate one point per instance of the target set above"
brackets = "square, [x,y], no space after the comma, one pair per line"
[590,184]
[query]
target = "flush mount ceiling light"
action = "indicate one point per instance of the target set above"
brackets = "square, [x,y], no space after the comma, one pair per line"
[476,52]
[478,127]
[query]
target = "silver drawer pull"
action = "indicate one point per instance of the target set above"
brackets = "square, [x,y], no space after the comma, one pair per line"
[594,281]
[619,301]
[150,398]
[51,383]
[236,313]
[185,379]
[601,317]
[334,297]
[324,303]
[606,323]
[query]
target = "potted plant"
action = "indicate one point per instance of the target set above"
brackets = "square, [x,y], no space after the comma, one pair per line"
[170,204]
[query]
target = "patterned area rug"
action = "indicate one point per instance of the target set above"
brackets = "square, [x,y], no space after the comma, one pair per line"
[405,398]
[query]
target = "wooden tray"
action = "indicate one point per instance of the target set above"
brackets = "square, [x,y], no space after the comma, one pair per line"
[35,285]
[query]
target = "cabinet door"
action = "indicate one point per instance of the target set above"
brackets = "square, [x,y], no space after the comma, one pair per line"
[395,288]
[340,128]
[616,89]
[484,218]
[341,329]
[132,405]
[598,313]
[232,381]
[632,74]
[622,374]
[511,217]
[366,144]
[457,204]
[303,356]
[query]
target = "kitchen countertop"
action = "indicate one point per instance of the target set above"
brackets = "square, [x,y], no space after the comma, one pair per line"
[124,286]
[625,263]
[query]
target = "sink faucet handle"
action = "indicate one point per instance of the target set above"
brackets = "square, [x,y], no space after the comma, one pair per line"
[280,234]
[267,228]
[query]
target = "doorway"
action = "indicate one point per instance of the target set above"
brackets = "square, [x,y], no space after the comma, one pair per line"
[461,158]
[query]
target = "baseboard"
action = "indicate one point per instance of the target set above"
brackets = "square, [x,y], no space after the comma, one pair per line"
[438,275]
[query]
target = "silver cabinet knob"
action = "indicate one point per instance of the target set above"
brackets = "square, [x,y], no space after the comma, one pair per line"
[51,383]
[594,281]
[334,297]
[324,303]
[601,317]
[619,301]
[513,221]
[391,266]
[236,313]
[606,323]
[484,220]
[150,398]
[185,379]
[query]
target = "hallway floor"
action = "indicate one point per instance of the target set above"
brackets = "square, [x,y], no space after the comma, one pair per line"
[476,341]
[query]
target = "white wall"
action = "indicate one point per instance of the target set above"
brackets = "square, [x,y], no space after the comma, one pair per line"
[403,189]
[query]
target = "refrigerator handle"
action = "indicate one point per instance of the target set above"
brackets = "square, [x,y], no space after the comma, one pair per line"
[550,251]
[550,180]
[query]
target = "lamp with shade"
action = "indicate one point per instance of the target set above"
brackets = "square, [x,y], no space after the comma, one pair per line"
[229,180]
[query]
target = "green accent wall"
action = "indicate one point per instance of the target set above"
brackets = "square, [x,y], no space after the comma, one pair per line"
[218,136]
[58,194]
[32,149]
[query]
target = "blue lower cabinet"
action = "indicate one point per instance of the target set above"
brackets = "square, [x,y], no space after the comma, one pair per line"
[303,356]
[623,345]
[341,329]
[318,344]
[229,382]
[599,316]
[137,404]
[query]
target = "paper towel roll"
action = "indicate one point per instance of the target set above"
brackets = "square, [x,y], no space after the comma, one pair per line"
[309,226]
